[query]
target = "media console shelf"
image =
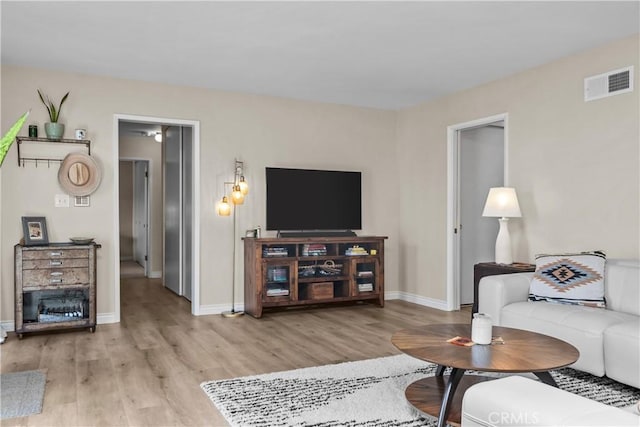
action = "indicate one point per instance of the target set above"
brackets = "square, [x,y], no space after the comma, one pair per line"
[287,272]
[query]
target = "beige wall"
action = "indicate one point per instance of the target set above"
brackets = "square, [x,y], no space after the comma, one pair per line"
[126,210]
[262,131]
[575,165]
[145,148]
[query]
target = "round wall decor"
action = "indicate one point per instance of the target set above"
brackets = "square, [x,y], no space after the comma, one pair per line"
[79,174]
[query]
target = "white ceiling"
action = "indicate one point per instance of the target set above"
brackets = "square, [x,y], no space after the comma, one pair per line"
[376,54]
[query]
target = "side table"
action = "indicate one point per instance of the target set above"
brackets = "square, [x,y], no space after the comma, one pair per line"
[483,269]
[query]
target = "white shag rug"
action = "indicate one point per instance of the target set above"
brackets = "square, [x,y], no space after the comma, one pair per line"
[364,393]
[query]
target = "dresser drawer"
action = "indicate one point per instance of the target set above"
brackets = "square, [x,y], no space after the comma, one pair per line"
[58,276]
[40,264]
[55,254]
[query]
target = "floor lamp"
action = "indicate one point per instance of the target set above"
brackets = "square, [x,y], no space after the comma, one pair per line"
[239,189]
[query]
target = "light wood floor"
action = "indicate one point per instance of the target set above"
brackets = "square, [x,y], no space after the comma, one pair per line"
[146,370]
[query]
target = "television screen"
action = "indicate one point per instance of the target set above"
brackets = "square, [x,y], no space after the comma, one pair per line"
[304,199]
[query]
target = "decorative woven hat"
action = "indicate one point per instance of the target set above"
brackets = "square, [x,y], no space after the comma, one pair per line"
[79,174]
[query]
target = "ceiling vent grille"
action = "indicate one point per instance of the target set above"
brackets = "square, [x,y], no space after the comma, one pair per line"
[608,84]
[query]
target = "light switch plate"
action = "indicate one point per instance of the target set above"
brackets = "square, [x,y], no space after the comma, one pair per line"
[61,200]
[82,201]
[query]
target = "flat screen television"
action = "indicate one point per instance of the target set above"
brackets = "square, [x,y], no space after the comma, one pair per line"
[308,200]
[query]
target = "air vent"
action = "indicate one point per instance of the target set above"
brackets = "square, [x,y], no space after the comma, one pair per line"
[608,84]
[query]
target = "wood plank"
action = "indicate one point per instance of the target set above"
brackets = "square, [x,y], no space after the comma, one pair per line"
[147,369]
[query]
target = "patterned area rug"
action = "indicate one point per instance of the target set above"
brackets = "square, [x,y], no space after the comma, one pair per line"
[21,393]
[366,393]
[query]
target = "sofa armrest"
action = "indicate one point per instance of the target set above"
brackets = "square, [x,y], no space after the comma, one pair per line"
[494,292]
[518,401]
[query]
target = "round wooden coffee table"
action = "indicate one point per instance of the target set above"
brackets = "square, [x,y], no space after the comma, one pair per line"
[522,351]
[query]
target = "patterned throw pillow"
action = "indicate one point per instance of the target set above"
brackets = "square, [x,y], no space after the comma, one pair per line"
[569,279]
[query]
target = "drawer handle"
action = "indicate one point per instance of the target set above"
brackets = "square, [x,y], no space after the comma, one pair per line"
[55,281]
[55,262]
[55,253]
[56,273]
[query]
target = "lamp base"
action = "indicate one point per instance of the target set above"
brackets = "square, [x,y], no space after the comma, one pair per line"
[503,243]
[232,314]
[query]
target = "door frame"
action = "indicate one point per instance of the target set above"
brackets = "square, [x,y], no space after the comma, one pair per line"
[453,177]
[195,243]
[149,239]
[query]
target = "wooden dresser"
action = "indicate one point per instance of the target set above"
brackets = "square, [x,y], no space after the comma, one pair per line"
[55,287]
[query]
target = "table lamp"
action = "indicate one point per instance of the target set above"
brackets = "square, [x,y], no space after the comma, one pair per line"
[502,202]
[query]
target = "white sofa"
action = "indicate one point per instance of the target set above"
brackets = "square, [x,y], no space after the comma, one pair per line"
[608,339]
[519,401]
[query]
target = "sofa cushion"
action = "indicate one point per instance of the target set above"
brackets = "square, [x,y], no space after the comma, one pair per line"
[569,279]
[519,401]
[622,352]
[581,326]
[622,286]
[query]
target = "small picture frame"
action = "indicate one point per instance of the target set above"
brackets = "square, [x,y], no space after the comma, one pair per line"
[35,230]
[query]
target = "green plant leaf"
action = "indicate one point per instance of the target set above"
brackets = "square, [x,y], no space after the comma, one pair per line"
[46,104]
[64,98]
[54,114]
[7,139]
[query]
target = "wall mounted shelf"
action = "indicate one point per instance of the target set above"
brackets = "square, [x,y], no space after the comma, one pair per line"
[49,155]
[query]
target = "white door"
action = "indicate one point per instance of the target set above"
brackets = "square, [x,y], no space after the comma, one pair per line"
[481,166]
[178,210]
[187,211]
[172,143]
[141,213]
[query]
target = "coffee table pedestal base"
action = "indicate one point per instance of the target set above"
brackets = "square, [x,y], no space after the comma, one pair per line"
[426,395]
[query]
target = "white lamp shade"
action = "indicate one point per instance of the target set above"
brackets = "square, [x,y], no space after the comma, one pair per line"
[502,202]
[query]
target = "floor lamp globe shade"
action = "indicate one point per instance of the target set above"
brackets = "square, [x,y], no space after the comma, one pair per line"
[244,187]
[503,243]
[224,208]
[236,196]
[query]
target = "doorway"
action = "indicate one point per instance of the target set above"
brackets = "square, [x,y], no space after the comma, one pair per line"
[141,214]
[477,154]
[190,239]
[134,201]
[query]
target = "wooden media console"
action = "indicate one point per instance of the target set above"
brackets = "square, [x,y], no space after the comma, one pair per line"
[297,271]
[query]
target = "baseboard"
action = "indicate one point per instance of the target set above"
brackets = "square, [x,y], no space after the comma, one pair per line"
[8,325]
[105,318]
[101,319]
[126,258]
[155,275]
[403,296]
[218,308]
[417,299]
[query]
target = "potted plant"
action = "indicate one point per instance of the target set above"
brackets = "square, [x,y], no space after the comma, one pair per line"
[53,129]
[7,139]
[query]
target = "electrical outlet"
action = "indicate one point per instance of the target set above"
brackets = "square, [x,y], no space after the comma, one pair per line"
[81,201]
[61,200]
